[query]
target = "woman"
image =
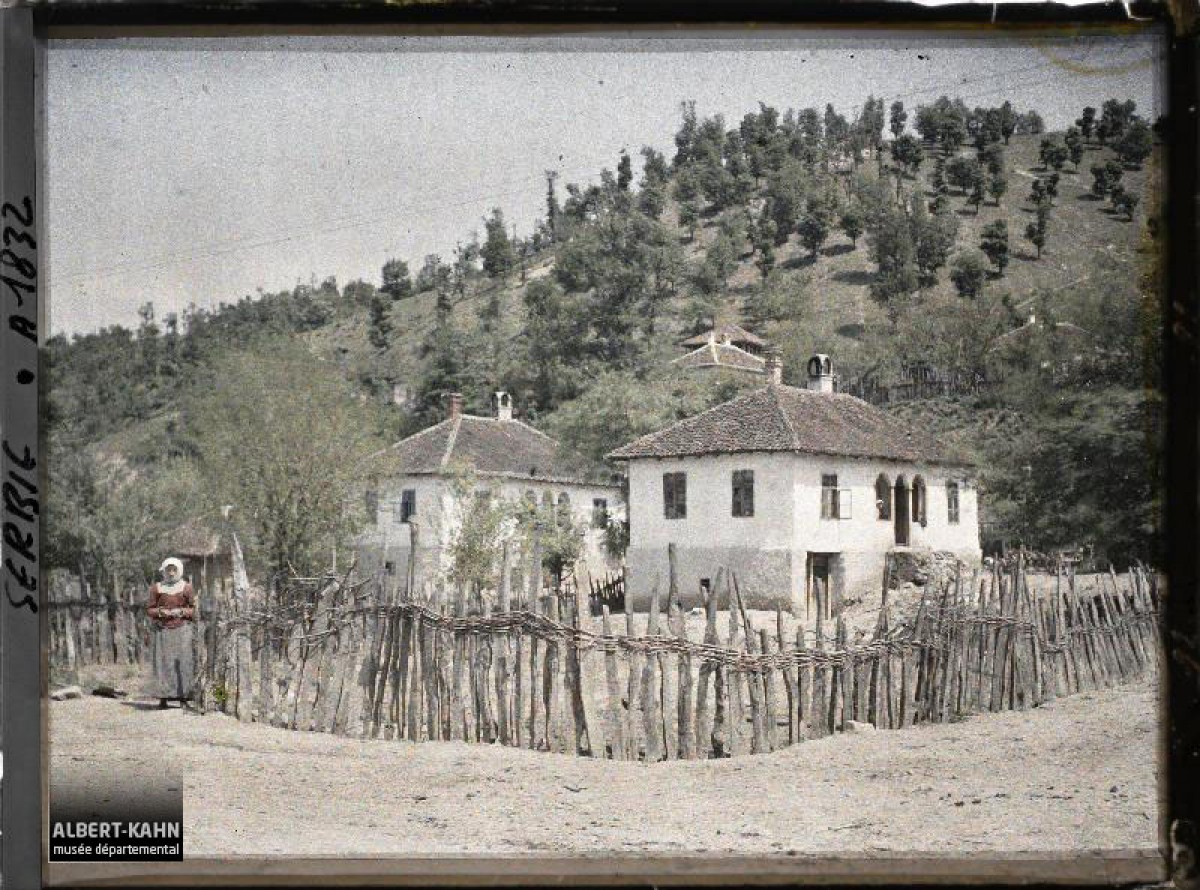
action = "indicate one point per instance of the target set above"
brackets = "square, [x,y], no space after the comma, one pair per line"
[172,609]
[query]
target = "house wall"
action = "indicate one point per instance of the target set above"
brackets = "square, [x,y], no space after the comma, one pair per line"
[770,551]
[438,519]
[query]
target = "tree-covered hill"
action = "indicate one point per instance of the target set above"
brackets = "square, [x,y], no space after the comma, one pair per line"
[1016,267]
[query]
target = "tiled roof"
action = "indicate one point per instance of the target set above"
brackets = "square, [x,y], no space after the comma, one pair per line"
[721,355]
[732,332]
[783,418]
[192,539]
[491,447]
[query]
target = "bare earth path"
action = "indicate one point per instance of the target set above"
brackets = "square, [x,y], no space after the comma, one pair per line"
[1075,775]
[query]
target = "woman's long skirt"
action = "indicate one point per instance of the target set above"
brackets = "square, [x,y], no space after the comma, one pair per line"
[174,662]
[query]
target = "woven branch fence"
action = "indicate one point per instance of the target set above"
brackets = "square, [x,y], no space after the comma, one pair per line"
[538,672]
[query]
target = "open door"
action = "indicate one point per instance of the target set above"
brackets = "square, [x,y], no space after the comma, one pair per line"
[900,510]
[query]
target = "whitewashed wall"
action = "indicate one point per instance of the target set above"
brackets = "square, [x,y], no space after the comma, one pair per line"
[438,519]
[770,550]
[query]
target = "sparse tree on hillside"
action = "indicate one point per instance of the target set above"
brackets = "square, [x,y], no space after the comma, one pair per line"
[1115,117]
[997,186]
[553,211]
[687,197]
[652,199]
[379,328]
[907,154]
[1073,139]
[1087,123]
[852,222]
[1105,177]
[994,243]
[1123,201]
[933,238]
[964,174]
[896,118]
[975,198]
[498,254]
[894,253]
[760,230]
[1036,232]
[1135,144]
[1008,121]
[397,284]
[624,172]
[967,271]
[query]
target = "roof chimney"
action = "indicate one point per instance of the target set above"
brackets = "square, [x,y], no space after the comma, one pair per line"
[820,373]
[454,410]
[503,406]
[774,367]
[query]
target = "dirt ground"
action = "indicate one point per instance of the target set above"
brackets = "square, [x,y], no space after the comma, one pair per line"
[1075,775]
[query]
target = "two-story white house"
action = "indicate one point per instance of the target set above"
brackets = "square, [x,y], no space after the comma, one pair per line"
[506,458]
[801,492]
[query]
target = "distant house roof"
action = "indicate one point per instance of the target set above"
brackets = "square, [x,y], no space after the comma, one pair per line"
[722,355]
[1034,324]
[492,447]
[725,332]
[194,540]
[783,418]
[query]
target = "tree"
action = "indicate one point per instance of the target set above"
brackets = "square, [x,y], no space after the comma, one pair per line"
[687,196]
[997,186]
[1115,117]
[624,172]
[553,211]
[1105,177]
[498,254]
[1123,201]
[1073,139]
[282,438]
[1008,121]
[379,328]
[1087,122]
[1135,143]
[852,223]
[761,232]
[652,199]
[816,224]
[967,272]
[1035,232]
[397,284]
[907,154]
[933,238]
[894,252]
[975,199]
[896,118]
[994,243]
[964,173]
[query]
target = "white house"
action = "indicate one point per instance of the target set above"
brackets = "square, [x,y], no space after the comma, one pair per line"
[801,492]
[507,458]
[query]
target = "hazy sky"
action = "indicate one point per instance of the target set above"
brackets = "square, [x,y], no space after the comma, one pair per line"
[199,170]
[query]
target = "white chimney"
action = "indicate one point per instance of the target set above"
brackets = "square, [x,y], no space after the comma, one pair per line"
[820,373]
[774,367]
[503,406]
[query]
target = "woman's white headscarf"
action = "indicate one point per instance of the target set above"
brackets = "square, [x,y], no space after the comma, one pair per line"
[171,561]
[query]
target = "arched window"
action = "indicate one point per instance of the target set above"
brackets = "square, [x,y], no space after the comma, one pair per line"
[918,501]
[564,509]
[883,498]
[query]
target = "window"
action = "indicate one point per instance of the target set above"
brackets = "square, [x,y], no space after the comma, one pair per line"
[675,495]
[829,496]
[952,502]
[564,510]
[883,498]
[743,493]
[371,503]
[389,568]
[599,513]
[918,501]
[406,508]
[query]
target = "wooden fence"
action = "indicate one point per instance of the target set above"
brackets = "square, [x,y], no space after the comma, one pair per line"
[539,672]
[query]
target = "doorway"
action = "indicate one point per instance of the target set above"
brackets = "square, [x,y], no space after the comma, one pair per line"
[900,510]
[824,585]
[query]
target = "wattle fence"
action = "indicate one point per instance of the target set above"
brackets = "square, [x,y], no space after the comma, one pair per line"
[539,672]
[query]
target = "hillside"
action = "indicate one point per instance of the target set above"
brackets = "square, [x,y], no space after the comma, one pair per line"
[581,320]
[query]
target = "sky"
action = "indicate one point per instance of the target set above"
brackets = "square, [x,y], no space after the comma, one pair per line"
[201,170]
